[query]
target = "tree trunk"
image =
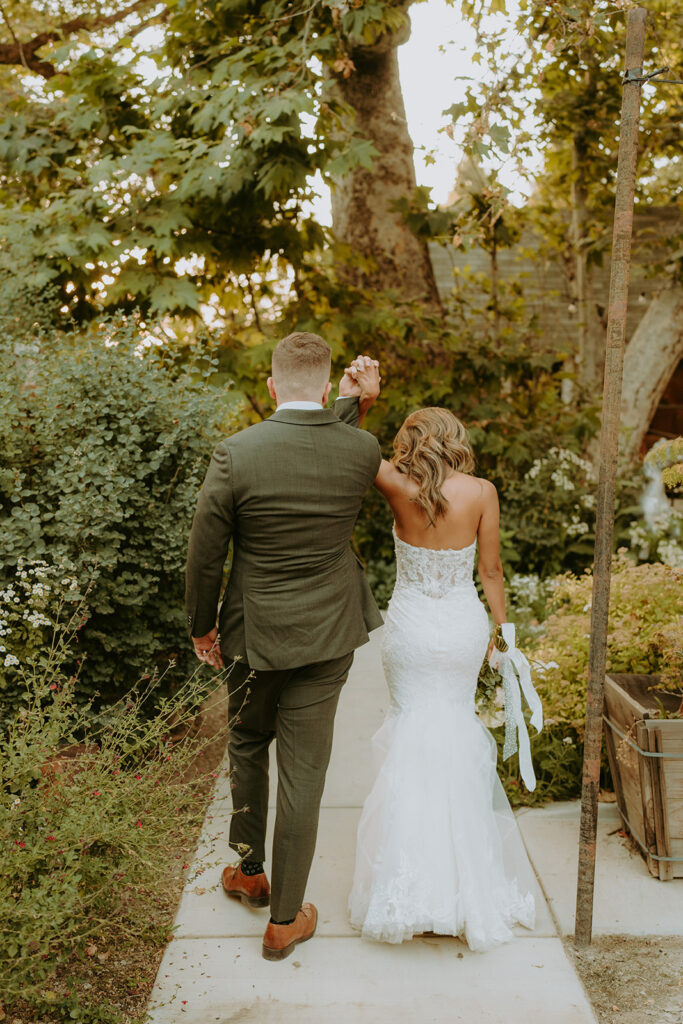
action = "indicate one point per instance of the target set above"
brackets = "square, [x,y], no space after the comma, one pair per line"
[651,357]
[361,201]
[590,335]
[585,354]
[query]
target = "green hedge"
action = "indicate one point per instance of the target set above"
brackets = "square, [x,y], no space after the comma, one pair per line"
[646,605]
[105,443]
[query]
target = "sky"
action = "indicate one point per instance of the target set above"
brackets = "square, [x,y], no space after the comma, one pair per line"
[432,64]
[429,63]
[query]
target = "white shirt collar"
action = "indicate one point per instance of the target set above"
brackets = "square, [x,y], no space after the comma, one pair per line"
[299,405]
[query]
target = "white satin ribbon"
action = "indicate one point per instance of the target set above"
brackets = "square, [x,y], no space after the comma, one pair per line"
[516,673]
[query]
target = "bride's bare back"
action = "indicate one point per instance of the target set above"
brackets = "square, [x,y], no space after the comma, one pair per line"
[472,513]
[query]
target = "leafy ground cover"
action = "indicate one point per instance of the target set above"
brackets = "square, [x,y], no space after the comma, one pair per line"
[646,610]
[99,816]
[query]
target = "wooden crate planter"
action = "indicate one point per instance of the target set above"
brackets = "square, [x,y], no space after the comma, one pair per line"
[649,789]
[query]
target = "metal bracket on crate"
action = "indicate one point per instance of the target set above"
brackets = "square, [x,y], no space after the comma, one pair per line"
[645,753]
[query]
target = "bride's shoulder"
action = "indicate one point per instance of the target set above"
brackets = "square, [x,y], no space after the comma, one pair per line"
[488,496]
[481,488]
[389,479]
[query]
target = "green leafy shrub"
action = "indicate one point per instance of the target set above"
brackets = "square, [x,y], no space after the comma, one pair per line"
[645,636]
[90,805]
[557,754]
[105,443]
[646,614]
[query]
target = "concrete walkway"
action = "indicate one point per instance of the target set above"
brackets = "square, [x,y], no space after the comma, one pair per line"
[213,971]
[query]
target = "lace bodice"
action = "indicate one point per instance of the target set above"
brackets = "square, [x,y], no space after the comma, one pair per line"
[433,571]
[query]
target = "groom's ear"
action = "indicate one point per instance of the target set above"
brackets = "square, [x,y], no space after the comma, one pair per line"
[326,392]
[271,389]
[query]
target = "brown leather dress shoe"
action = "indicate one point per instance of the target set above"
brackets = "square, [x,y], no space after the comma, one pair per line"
[252,890]
[280,939]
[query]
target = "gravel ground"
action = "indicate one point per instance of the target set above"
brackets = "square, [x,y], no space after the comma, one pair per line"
[633,980]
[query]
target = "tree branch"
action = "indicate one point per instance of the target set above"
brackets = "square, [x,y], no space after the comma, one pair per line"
[25,54]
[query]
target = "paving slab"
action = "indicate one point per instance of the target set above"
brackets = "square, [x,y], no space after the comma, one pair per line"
[213,970]
[349,981]
[205,911]
[628,900]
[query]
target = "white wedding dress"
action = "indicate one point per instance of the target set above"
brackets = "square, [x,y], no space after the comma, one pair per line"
[438,846]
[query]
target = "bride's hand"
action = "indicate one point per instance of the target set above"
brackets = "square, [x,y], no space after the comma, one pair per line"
[348,385]
[365,372]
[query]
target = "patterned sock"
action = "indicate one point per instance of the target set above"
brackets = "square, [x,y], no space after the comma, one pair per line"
[291,921]
[252,867]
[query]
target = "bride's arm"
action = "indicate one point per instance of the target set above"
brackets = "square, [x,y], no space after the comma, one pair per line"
[386,481]
[490,566]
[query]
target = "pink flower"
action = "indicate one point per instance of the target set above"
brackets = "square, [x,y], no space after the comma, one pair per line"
[50,839]
[53,686]
[138,824]
[96,792]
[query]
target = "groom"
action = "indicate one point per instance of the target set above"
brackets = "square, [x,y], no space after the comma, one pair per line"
[297,604]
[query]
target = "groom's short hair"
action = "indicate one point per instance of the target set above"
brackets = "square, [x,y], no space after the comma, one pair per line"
[301,363]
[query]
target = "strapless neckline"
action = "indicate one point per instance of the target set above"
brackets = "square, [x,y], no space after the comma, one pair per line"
[420,547]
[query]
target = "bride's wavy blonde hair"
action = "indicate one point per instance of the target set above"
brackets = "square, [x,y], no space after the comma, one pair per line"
[430,442]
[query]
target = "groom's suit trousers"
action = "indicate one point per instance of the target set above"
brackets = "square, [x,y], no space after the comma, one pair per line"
[296,707]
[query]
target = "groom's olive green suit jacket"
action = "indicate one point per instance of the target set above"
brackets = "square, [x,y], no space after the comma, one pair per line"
[287,492]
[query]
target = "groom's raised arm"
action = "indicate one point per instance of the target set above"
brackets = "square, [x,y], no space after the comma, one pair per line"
[358,390]
[347,409]
[212,528]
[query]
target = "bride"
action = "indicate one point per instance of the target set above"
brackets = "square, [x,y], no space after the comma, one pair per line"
[438,847]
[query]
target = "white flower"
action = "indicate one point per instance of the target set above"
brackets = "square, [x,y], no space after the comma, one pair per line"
[569,740]
[37,619]
[576,527]
[2,649]
[10,660]
[670,553]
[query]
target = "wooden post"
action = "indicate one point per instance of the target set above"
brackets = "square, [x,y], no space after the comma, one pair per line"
[609,443]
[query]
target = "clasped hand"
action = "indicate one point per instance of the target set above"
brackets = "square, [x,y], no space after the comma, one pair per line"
[361,379]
